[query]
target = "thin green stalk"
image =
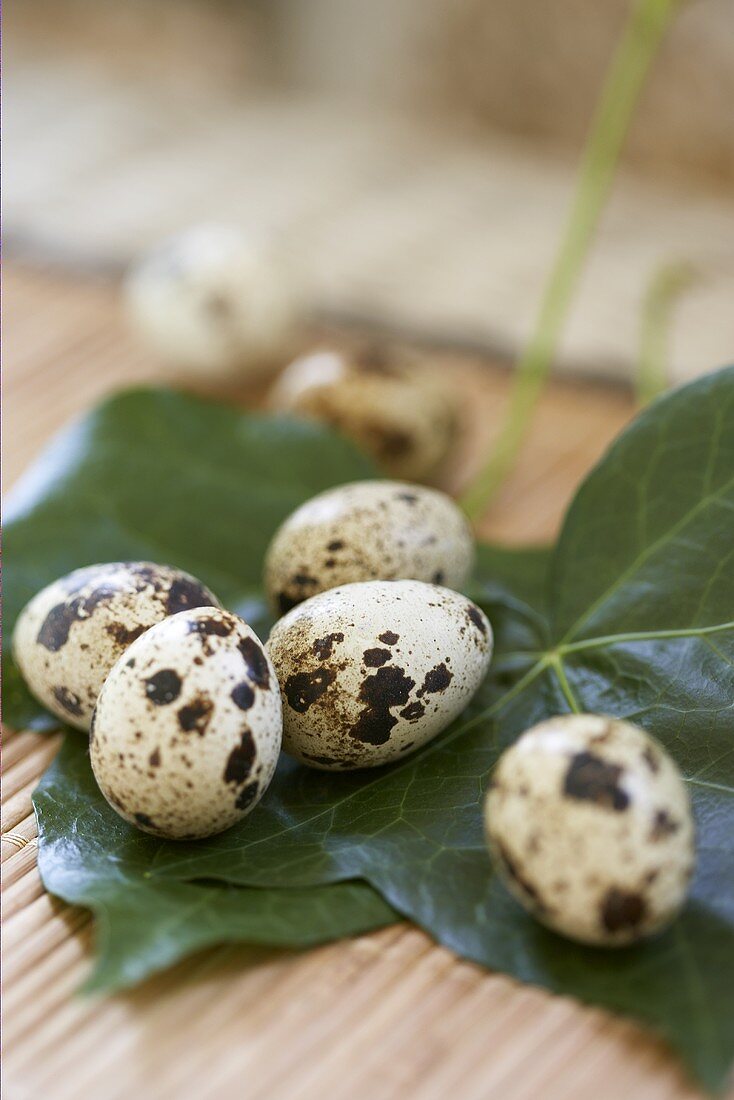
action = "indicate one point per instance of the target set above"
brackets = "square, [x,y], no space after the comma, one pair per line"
[662,294]
[622,87]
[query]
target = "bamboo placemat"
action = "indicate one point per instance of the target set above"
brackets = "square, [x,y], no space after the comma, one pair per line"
[381,1017]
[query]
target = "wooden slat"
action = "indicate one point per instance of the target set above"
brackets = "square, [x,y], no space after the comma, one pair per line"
[21,859]
[28,767]
[388,1015]
[22,892]
[19,827]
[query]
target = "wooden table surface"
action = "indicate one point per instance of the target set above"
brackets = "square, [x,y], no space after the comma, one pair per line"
[386,1015]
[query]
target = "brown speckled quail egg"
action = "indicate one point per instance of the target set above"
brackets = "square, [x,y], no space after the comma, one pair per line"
[70,634]
[369,672]
[213,302]
[589,824]
[368,530]
[395,412]
[187,729]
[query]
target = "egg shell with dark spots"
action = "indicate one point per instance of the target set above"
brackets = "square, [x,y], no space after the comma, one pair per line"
[398,412]
[72,632]
[589,824]
[368,530]
[187,728]
[213,301]
[403,661]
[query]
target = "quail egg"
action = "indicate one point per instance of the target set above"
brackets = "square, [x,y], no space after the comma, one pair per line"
[369,672]
[211,301]
[368,530]
[395,412]
[187,728]
[71,633]
[590,826]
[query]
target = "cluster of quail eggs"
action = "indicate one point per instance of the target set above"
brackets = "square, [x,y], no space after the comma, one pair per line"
[587,818]
[178,695]
[374,655]
[216,305]
[374,651]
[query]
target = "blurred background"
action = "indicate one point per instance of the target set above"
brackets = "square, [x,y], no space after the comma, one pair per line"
[414,158]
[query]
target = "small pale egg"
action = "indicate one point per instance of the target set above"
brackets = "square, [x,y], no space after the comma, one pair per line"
[368,530]
[70,634]
[589,824]
[187,729]
[397,413]
[369,672]
[214,303]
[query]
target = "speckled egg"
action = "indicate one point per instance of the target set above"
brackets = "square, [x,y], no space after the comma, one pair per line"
[397,413]
[212,302]
[369,672]
[187,729]
[589,823]
[369,530]
[71,633]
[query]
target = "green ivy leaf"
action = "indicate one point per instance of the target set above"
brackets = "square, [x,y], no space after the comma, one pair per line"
[637,620]
[88,857]
[153,475]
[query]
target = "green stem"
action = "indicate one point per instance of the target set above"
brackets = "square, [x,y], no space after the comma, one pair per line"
[622,87]
[662,294]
